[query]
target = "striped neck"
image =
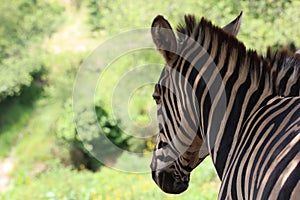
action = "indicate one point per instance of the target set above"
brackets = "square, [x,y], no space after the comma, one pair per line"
[231,84]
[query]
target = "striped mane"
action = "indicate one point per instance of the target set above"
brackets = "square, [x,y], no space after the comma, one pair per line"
[271,65]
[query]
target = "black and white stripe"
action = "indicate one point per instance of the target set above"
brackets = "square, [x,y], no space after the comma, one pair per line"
[216,98]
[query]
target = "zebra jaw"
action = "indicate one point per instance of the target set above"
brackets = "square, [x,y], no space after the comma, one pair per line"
[166,179]
[168,183]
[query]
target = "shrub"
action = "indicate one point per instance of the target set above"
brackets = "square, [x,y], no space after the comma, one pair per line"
[22,24]
[264,22]
[83,146]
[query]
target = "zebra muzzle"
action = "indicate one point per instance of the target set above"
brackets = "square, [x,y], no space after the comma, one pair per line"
[168,183]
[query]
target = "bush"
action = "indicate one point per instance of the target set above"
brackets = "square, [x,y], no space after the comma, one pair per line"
[83,146]
[264,22]
[24,23]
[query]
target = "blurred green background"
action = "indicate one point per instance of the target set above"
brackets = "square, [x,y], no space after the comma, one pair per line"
[42,45]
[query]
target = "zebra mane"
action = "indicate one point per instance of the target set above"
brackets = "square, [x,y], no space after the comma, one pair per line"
[275,62]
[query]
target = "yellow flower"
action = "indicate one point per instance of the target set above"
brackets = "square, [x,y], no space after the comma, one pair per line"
[109,187]
[140,177]
[27,180]
[82,166]
[128,193]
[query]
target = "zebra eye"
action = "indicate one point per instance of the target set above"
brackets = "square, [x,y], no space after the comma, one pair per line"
[156,98]
[162,144]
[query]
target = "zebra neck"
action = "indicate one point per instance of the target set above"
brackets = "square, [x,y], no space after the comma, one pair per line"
[285,73]
[235,89]
[230,83]
[241,89]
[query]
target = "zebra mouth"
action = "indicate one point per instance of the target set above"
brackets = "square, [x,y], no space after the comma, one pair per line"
[168,184]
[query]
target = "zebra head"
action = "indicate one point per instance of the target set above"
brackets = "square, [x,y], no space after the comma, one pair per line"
[180,145]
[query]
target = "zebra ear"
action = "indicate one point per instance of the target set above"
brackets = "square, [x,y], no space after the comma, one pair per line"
[164,38]
[234,26]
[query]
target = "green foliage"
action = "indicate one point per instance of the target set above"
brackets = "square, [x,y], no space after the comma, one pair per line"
[14,116]
[132,105]
[64,67]
[110,128]
[97,11]
[18,73]
[16,111]
[86,138]
[22,23]
[264,22]
[268,22]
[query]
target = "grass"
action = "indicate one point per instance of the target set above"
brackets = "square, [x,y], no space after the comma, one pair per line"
[14,116]
[65,183]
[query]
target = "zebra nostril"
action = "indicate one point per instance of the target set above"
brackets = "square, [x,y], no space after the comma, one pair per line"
[186,179]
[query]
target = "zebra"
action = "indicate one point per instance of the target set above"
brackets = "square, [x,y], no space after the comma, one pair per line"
[214,97]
